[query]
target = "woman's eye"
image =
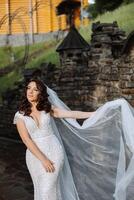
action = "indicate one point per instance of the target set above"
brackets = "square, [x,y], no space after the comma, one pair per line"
[34,89]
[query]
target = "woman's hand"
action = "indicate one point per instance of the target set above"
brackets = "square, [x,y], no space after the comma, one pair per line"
[49,165]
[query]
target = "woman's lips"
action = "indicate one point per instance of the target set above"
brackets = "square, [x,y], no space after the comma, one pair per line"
[30,96]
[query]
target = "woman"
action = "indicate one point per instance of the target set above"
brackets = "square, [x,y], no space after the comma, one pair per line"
[44,154]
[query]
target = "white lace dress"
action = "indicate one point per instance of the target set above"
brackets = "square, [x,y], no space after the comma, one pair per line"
[46,186]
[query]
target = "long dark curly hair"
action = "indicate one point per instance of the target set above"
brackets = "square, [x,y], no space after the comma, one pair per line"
[43,103]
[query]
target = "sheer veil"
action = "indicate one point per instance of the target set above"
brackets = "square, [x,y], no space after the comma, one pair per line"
[99,154]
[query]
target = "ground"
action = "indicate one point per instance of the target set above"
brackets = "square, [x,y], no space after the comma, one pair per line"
[15,181]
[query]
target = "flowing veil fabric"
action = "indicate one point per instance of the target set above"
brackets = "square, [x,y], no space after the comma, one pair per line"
[99,154]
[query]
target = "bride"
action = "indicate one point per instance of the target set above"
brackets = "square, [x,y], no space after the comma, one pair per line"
[44,155]
[68,161]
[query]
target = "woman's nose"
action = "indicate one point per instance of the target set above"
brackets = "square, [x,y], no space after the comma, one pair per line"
[30,91]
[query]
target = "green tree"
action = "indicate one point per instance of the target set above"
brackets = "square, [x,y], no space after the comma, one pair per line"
[92,11]
[101,6]
[107,5]
[128,1]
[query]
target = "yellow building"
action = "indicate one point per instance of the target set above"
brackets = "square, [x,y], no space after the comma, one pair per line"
[33,16]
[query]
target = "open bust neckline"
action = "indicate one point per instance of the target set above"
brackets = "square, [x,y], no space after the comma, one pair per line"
[40,118]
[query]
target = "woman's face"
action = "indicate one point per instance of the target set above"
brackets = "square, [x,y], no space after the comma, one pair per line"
[32,92]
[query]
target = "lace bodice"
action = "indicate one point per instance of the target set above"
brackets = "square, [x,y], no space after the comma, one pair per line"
[44,129]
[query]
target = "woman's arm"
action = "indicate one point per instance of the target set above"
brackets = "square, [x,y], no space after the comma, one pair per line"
[28,141]
[60,113]
[32,146]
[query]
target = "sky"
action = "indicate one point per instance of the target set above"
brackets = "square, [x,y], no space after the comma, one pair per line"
[91,1]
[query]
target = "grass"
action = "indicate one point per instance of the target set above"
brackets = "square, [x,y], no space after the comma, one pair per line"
[49,55]
[5,57]
[123,15]
[38,53]
[18,52]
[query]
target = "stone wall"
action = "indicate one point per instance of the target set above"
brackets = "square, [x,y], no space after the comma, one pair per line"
[108,75]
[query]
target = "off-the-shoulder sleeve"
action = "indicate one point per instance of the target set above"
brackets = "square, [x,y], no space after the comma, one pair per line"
[17,116]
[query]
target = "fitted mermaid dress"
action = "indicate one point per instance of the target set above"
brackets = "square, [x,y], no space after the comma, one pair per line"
[46,185]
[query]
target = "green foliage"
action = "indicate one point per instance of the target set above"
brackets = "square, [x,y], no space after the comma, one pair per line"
[92,10]
[128,1]
[104,5]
